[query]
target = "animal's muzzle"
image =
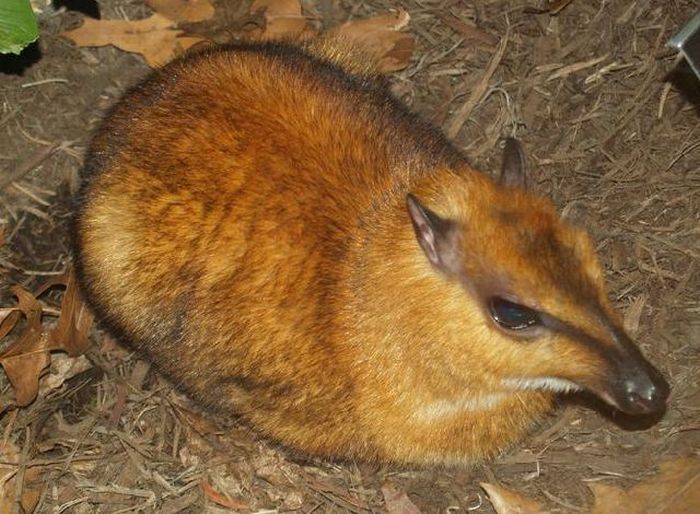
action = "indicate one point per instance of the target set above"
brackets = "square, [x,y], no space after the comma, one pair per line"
[638,387]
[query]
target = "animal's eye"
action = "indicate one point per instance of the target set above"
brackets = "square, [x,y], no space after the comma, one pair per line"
[511,315]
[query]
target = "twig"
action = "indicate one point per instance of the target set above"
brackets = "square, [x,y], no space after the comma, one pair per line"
[666,90]
[8,116]
[681,154]
[639,102]
[478,92]
[31,195]
[19,477]
[69,504]
[28,165]
[561,502]
[42,82]
[573,68]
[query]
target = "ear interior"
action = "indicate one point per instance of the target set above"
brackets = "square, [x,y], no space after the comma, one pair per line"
[514,165]
[436,236]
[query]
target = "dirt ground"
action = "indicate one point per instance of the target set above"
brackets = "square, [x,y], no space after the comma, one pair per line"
[609,117]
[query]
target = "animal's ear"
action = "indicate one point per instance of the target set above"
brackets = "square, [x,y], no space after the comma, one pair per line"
[514,166]
[437,236]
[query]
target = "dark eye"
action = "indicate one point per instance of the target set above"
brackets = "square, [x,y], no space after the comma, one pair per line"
[511,315]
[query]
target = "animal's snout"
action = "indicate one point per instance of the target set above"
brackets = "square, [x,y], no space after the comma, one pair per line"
[644,392]
[635,386]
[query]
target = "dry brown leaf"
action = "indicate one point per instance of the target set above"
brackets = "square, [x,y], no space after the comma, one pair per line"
[63,368]
[138,374]
[8,453]
[608,498]
[283,19]
[31,492]
[287,27]
[381,37]
[198,423]
[27,358]
[507,501]
[187,42]
[277,7]
[220,499]
[31,484]
[674,490]
[469,31]
[397,501]
[8,319]
[75,322]
[154,37]
[183,10]
[109,346]
[5,312]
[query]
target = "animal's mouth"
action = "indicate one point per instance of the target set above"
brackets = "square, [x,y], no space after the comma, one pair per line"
[629,382]
[641,392]
[634,391]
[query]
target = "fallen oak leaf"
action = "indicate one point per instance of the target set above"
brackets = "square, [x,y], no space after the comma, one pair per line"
[8,319]
[221,499]
[105,32]
[469,31]
[187,42]
[6,311]
[278,7]
[27,358]
[283,19]
[381,36]
[8,453]
[108,346]
[74,323]
[62,369]
[183,10]
[199,429]
[119,404]
[507,501]
[153,37]
[607,497]
[397,501]
[287,27]
[673,490]
[56,280]
[32,484]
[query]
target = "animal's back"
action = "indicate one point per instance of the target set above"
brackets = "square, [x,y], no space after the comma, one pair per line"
[257,133]
[220,200]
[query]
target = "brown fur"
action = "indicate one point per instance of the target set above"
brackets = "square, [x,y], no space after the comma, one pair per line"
[243,224]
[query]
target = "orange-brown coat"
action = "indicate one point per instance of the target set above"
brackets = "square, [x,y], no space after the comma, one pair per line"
[244,224]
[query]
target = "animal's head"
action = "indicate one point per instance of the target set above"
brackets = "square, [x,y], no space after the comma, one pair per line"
[538,287]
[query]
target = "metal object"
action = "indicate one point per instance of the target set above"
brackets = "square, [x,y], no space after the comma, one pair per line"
[687,41]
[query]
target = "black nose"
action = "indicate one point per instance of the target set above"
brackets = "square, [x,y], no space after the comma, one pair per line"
[645,392]
[637,387]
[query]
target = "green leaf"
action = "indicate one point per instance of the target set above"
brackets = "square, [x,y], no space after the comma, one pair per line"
[17,26]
